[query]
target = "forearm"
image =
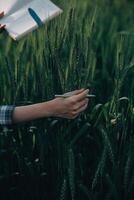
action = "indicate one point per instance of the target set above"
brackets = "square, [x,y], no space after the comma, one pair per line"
[31,112]
[68,108]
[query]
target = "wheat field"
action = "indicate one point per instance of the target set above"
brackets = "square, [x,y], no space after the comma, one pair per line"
[91,45]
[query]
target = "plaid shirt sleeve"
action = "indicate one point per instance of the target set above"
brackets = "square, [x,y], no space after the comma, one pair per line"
[6,113]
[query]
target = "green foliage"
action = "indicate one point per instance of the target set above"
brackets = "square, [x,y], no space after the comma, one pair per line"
[90,45]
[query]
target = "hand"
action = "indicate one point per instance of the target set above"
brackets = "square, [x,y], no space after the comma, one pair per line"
[70,107]
[2,26]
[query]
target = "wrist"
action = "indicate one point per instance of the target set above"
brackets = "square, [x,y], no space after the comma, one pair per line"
[49,109]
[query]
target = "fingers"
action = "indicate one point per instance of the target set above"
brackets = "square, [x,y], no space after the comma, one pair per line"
[1,14]
[81,96]
[75,114]
[81,104]
[75,92]
[2,27]
[81,109]
[70,107]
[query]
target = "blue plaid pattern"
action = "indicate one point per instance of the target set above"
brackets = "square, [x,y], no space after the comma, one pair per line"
[6,113]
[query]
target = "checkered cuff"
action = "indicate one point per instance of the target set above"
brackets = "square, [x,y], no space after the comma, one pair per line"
[6,113]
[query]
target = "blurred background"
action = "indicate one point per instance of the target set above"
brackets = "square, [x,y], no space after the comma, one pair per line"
[90,45]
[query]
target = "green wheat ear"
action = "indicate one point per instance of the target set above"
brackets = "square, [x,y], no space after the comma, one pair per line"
[109,146]
[71,174]
[82,48]
[63,191]
[126,174]
[100,168]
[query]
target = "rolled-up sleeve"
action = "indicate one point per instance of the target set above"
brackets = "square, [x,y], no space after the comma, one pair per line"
[6,115]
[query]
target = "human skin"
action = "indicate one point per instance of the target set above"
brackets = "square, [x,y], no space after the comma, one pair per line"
[2,26]
[69,107]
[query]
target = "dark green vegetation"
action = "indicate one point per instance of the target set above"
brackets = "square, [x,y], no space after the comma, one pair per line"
[92,157]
